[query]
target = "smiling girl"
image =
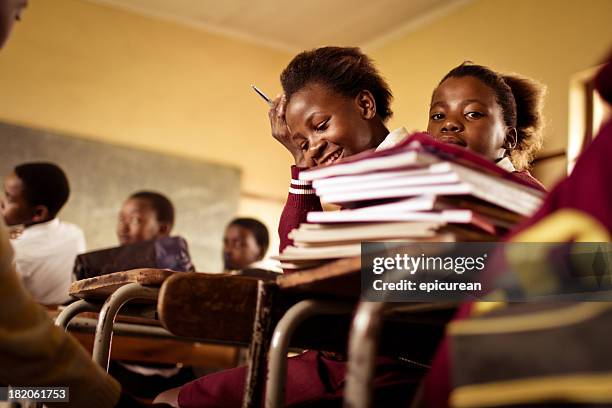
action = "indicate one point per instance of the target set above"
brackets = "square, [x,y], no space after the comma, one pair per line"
[335,105]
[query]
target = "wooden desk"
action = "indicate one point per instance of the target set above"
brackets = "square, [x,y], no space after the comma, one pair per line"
[200,307]
[131,345]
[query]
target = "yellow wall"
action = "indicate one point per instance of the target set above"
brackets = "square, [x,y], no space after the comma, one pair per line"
[548,40]
[114,76]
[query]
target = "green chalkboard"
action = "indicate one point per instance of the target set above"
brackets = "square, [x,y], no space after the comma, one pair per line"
[103,175]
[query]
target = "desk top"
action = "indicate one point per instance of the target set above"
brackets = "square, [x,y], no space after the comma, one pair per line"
[104,285]
[338,278]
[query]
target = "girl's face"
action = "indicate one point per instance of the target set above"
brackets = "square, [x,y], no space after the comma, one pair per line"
[464,111]
[328,126]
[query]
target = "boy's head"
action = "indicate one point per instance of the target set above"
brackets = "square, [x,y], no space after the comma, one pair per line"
[245,241]
[145,215]
[34,193]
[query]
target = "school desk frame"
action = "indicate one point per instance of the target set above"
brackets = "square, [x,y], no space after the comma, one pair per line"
[108,312]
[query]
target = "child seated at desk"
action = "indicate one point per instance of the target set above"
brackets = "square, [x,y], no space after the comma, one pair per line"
[144,216]
[245,244]
[46,248]
[578,209]
[472,101]
[336,105]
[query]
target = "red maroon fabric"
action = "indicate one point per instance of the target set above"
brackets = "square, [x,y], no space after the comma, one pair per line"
[587,189]
[296,208]
[312,380]
[526,177]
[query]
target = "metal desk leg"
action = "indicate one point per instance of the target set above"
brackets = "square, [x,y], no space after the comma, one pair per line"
[260,344]
[277,366]
[104,329]
[73,309]
[363,349]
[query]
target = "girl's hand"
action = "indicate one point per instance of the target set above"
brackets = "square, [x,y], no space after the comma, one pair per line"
[280,131]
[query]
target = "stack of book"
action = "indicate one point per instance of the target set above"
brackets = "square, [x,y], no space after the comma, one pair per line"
[419,191]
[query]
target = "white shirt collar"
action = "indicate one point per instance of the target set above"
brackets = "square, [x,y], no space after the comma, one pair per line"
[41,228]
[506,164]
[393,138]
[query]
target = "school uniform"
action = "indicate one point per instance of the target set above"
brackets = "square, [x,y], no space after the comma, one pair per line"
[44,258]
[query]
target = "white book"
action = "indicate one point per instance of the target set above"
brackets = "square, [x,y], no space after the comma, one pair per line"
[495,190]
[394,161]
[448,216]
[305,256]
[420,180]
[381,175]
[293,254]
[504,193]
[363,232]
[419,203]
[396,192]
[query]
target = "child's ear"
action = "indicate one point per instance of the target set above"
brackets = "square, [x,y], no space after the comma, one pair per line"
[41,214]
[366,104]
[511,140]
[164,229]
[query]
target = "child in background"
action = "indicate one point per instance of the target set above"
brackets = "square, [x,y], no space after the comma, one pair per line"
[245,244]
[46,249]
[144,216]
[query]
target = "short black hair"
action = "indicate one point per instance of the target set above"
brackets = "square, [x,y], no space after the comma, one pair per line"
[346,70]
[259,230]
[164,210]
[44,184]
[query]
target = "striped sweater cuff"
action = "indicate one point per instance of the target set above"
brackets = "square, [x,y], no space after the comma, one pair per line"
[299,187]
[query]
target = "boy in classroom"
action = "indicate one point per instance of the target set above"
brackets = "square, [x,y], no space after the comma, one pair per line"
[34,194]
[144,216]
[245,243]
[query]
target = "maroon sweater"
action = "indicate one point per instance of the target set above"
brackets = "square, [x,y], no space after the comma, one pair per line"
[300,201]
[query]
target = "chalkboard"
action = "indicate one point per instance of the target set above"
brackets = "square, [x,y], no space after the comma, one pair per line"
[102,176]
